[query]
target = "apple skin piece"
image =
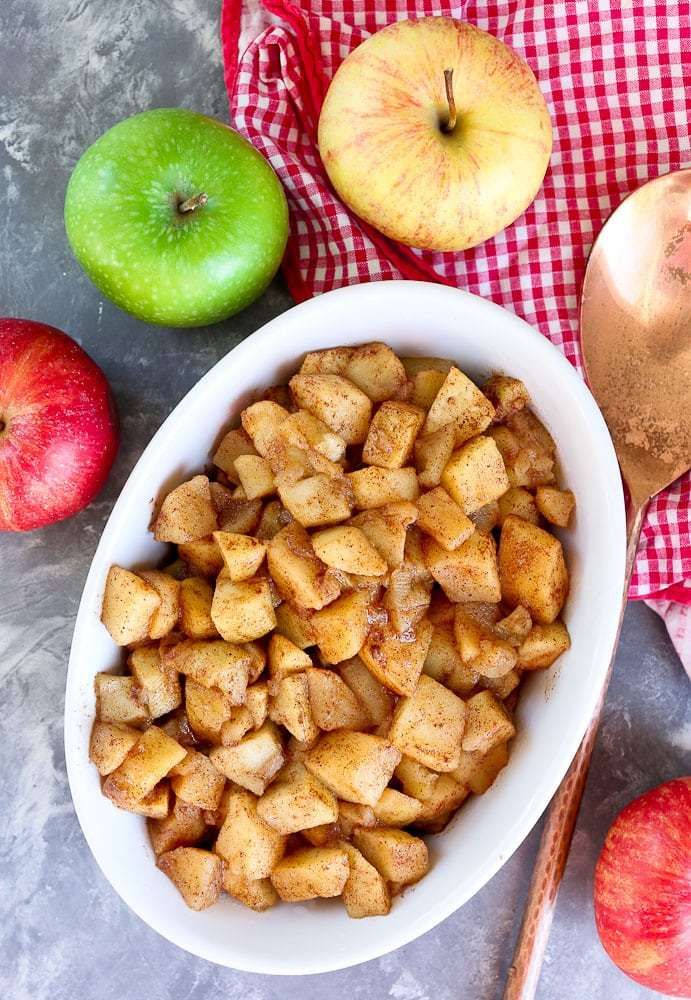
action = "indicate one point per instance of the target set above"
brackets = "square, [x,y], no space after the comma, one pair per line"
[383,142]
[58,426]
[642,879]
[163,265]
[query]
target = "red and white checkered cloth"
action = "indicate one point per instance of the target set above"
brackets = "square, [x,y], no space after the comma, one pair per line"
[613,73]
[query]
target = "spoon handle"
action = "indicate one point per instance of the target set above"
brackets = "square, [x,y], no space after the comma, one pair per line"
[553,852]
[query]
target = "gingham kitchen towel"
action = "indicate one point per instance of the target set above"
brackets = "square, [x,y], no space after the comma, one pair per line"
[616,76]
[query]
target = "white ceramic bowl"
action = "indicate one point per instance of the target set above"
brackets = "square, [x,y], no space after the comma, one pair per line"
[413,318]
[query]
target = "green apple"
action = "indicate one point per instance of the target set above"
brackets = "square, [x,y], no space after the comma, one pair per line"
[176,218]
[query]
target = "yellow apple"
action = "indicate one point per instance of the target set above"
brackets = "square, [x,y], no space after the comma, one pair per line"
[436,133]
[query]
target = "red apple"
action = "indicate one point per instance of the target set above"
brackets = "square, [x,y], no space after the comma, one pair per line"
[643,889]
[58,427]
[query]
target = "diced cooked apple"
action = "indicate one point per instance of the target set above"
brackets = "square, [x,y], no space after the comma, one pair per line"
[187,513]
[119,699]
[342,627]
[233,444]
[258,660]
[290,707]
[257,703]
[532,434]
[506,394]
[392,434]
[375,487]
[285,658]
[424,387]
[337,402]
[486,518]
[397,660]
[262,422]
[295,624]
[256,893]
[255,475]
[442,654]
[252,762]
[334,706]
[196,596]
[408,595]
[479,770]
[274,517]
[495,658]
[487,723]
[397,855]
[502,687]
[165,617]
[442,518]
[238,725]
[518,502]
[347,548]
[301,577]
[386,527]
[241,555]
[297,801]
[543,645]
[432,453]
[396,809]
[376,700]
[110,743]
[129,606]
[416,780]
[206,709]
[459,402]
[330,361]
[532,569]
[470,573]
[556,506]
[428,725]
[214,664]
[240,516]
[304,430]
[195,872]
[515,626]
[311,873]
[251,847]
[149,760]
[527,450]
[297,750]
[202,557]
[158,683]
[376,370]
[365,893]
[352,814]
[317,500]
[155,804]
[439,806]
[355,766]
[244,610]
[182,827]
[475,474]
[195,780]
[412,366]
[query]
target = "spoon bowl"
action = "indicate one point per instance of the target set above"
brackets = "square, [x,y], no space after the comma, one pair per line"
[636,332]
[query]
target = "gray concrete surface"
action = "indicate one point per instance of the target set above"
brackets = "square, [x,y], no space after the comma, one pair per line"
[68,70]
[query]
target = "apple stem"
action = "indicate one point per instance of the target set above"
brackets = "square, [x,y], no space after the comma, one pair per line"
[198,201]
[451,120]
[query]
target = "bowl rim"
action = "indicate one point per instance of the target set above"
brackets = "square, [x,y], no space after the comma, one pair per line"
[527,817]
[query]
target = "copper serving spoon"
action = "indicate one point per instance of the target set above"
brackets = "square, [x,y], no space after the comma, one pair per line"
[636,342]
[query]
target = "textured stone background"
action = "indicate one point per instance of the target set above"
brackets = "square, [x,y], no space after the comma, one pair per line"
[68,70]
